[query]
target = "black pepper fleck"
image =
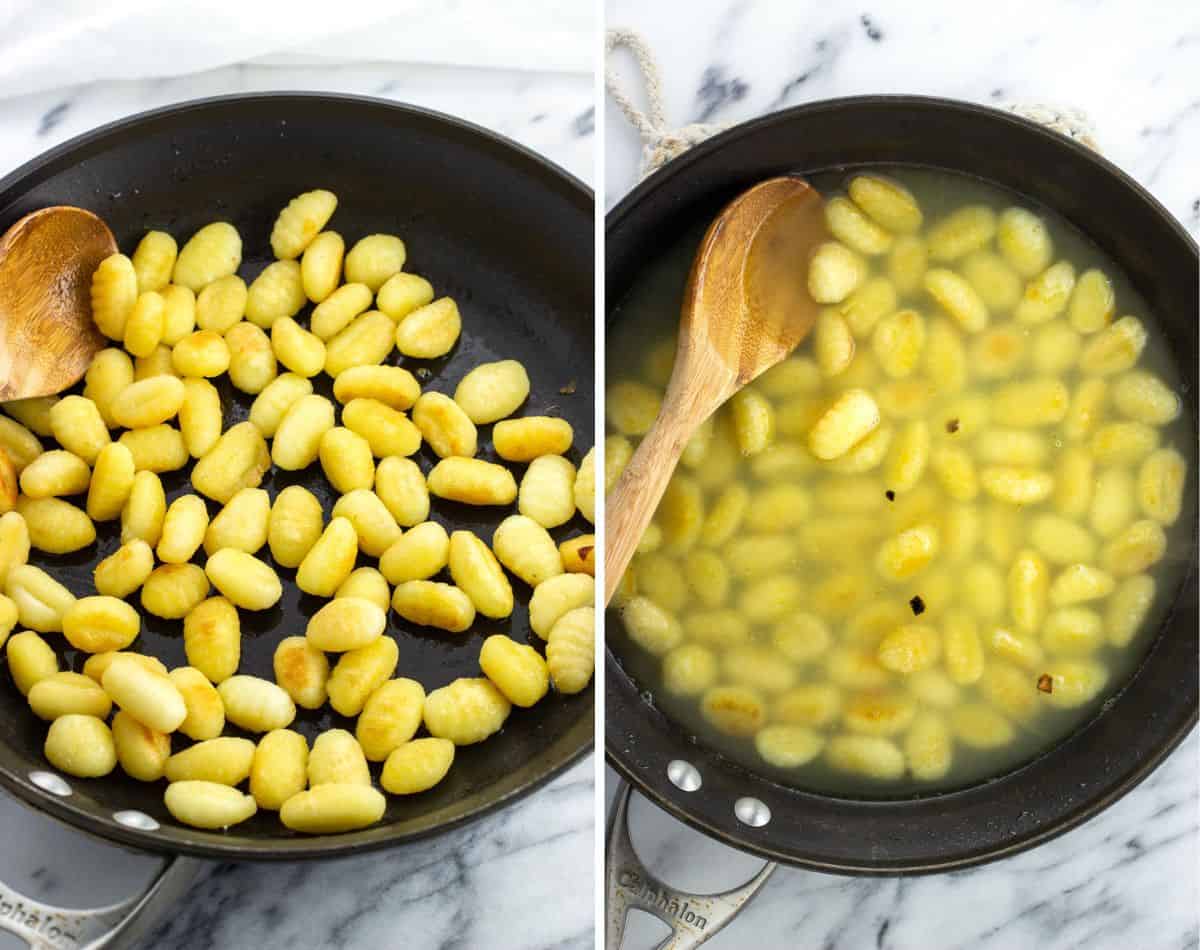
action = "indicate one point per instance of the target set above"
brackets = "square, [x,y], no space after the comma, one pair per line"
[917,605]
[1045,683]
[952,426]
[889,495]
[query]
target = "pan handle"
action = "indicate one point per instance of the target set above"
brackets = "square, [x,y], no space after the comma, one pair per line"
[693,918]
[46,927]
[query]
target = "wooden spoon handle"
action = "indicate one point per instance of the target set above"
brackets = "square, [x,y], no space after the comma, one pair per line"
[632,502]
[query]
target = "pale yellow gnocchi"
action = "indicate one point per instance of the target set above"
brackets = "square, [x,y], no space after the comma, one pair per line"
[899,558]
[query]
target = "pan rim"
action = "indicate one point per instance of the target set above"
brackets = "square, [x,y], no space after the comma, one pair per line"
[615,217]
[1071,818]
[203,844]
[88,137]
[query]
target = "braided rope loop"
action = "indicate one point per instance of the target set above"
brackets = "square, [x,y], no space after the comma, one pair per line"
[661,144]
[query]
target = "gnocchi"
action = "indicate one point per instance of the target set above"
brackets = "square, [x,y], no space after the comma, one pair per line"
[280,768]
[900,555]
[213,252]
[301,221]
[294,525]
[219,306]
[302,671]
[417,766]
[391,717]
[518,670]
[466,712]
[430,331]
[81,745]
[493,391]
[154,404]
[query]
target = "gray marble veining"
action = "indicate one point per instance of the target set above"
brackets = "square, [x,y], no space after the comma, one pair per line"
[488,885]
[521,879]
[1129,878]
[1133,70]
[551,113]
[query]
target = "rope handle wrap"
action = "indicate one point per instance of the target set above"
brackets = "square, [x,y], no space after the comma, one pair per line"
[661,144]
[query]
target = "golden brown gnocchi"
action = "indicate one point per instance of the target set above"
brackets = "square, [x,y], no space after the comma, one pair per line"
[187,317]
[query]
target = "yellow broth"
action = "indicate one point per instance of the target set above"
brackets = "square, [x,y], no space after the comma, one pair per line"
[965,584]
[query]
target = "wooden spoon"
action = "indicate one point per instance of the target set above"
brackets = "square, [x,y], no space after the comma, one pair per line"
[745,308]
[47,336]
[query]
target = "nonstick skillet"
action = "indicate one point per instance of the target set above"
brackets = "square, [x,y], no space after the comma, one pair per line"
[506,233]
[1089,770]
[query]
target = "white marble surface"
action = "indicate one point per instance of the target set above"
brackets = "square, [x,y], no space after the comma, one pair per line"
[519,880]
[1128,878]
[1132,67]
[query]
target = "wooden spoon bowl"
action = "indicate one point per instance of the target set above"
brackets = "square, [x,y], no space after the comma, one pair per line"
[47,336]
[746,307]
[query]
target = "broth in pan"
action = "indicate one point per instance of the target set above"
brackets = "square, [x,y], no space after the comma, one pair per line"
[928,546]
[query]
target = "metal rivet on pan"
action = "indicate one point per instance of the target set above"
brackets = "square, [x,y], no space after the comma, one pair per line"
[752,812]
[49,782]
[683,775]
[136,819]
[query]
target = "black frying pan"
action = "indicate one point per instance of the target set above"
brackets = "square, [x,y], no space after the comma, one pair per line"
[1103,759]
[506,233]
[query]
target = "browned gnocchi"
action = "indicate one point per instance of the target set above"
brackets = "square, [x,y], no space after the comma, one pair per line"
[224,389]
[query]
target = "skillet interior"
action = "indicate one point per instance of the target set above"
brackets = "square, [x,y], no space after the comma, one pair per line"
[1157,708]
[507,234]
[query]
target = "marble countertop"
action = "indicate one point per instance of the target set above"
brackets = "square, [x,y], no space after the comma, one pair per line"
[1132,69]
[1128,878]
[486,885]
